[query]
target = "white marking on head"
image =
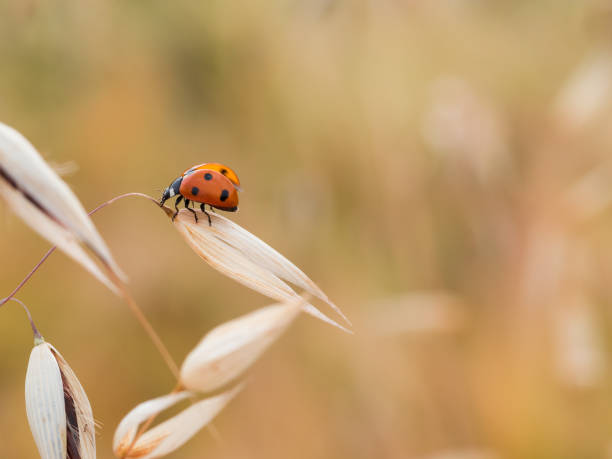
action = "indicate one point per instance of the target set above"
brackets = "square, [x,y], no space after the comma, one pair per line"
[171,192]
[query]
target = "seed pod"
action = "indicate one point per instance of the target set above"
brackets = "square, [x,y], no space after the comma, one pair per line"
[58,410]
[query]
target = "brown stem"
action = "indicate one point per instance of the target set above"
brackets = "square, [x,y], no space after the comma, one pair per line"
[37,335]
[27,278]
[52,249]
[126,294]
[146,325]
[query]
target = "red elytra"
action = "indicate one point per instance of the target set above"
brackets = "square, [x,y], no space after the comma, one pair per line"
[222,168]
[210,187]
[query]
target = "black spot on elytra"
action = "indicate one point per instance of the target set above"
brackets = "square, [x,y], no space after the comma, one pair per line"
[224,195]
[195,190]
[224,171]
[208,176]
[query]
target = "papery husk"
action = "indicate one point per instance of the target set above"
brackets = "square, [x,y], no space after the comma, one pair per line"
[82,408]
[229,349]
[210,244]
[265,256]
[49,229]
[51,385]
[51,202]
[169,435]
[44,396]
[128,427]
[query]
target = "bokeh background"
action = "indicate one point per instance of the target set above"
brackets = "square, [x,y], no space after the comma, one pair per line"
[442,169]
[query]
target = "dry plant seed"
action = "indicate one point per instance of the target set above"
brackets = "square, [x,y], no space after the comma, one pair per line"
[39,196]
[243,257]
[231,348]
[222,356]
[59,413]
[169,435]
[265,256]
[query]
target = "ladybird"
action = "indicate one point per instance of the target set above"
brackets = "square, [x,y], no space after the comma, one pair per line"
[210,183]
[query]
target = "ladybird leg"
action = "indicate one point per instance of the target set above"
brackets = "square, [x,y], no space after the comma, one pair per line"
[212,208]
[203,207]
[187,201]
[176,203]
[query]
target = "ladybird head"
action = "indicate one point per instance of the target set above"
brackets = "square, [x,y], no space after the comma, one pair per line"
[171,191]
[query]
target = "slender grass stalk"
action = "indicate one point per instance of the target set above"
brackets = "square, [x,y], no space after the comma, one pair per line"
[27,278]
[52,249]
[37,335]
[146,325]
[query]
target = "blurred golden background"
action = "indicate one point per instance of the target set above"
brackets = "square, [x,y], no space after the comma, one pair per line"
[442,170]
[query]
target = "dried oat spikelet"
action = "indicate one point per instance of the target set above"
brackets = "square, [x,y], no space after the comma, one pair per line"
[221,357]
[58,410]
[229,349]
[45,202]
[171,434]
[245,258]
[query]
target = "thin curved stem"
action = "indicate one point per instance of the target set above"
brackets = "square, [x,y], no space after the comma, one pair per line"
[27,278]
[37,334]
[52,249]
[126,294]
[121,196]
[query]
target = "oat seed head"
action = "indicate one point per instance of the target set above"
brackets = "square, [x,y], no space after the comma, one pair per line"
[45,203]
[243,257]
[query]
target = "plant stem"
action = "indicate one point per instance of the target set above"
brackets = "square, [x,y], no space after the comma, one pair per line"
[37,335]
[126,294]
[52,249]
[27,278]
[146,325]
